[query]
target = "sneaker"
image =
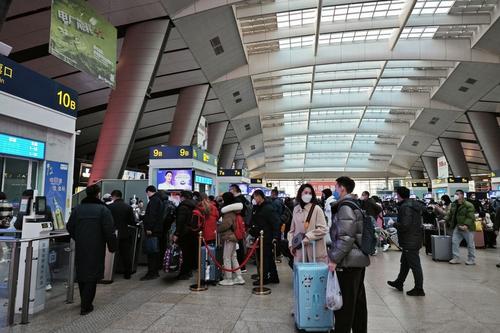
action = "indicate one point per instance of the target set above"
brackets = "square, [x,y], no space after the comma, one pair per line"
[416,292]
[498,265]
[386,248]
[48,287]
[239,280]
[244,271]
[454,261]
[374,253]
[396,285]
[470,262]
[227,282]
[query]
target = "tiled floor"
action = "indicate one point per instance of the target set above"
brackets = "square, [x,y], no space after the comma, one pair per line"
[459,299]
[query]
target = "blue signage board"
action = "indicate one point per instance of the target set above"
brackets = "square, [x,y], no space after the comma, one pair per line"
[56,182]
[203,180]
[22,82]
[181,152]
[16,146]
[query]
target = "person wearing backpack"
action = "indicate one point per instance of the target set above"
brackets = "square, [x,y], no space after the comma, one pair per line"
[153,227]
[230,211]
[246,213]
[348,260]
[410,236]
[185,234]
[211,213]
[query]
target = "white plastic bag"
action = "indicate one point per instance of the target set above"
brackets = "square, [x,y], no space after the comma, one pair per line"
[333,293]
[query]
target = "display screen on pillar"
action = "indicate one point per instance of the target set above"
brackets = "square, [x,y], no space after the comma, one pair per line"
[175,179]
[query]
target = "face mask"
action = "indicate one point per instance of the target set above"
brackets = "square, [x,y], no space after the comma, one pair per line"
[336,195]
[307,198]
[254,202]
[455,197]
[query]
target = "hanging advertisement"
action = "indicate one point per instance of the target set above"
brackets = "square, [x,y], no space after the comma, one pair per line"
[442,164]
[202,133]
[56,179]
[84,39]
[319,186]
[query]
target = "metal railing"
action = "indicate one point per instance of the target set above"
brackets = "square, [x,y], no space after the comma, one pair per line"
[14,273]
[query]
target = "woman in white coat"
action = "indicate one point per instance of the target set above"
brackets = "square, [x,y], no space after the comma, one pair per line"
[315,230]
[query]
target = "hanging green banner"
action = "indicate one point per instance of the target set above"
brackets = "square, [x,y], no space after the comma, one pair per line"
[84,39]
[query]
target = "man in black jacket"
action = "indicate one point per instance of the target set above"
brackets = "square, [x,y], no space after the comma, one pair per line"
[91,226]
[123,216]
[409,226]
[185,236]
[265,218]
[153,226]
[369,205]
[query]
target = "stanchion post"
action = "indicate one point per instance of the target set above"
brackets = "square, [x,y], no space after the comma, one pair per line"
[261,290]
[71,275]
[198,286]
[27,284]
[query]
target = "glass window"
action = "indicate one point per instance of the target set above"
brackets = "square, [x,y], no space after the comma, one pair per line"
[15,179]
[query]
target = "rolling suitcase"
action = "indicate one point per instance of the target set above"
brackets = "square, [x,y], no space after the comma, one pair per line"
[210,273]
[311,313]
[479,239]
[441,245]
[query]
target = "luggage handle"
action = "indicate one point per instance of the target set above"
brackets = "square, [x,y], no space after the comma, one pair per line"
[439,228]
[304,251]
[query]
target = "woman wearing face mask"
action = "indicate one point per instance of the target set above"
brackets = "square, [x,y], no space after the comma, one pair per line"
[315,230]
[444,208]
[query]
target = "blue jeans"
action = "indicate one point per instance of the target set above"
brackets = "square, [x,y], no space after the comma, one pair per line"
[458,235]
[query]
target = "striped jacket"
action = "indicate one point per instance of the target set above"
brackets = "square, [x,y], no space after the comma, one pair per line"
[6,213]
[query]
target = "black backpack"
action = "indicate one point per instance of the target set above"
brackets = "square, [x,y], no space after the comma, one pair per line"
[168,212]
[368,238]
[286,217]
[247,212]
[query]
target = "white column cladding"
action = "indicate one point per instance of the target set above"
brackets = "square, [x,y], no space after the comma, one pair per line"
[454,153]
[238,164]
[139,59]
[187,114]
[227,154]
[216,134]
[430,165]
[487,130]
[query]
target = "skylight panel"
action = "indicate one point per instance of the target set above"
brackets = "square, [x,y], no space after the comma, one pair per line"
[355,36]
[340,90]
[431,7]
[304,41]
[296,18]
[296,93]
[389,88]
[358,11]
[418,32]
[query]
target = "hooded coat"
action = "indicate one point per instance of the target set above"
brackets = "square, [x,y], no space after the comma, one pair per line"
[228,225]
[409,225]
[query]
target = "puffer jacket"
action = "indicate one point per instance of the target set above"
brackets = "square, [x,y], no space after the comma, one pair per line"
[346,234]
[228,225]
[464,215]
[409,225]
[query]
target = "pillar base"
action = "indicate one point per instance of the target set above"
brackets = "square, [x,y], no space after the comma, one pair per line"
[261,291]
[194,287]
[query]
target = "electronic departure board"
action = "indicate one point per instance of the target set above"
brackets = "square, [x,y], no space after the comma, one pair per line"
[16,146]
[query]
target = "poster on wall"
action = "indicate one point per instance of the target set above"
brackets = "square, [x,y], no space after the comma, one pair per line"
[442,164]
[202,133]
[174,179]
[84,39]
[56,179]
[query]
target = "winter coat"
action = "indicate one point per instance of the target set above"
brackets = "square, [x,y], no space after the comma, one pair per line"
[265,218]
[409,225]
[316,231]
[123,217]
[278,206]
[228,226]
[153,219]
[210,226]
[184,216]
[241,198]
[463,214]
[91,226]
[346,234]
[371,207]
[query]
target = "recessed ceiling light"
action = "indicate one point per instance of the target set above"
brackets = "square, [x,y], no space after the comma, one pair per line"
[471,81]
[463,89]
[238,100]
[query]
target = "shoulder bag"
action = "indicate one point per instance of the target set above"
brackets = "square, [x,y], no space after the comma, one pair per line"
[299,238]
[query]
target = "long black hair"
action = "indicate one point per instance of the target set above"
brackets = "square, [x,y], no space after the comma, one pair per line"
[228,198]
[302,204]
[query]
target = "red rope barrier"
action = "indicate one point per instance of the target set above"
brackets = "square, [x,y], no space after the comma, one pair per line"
[245,261]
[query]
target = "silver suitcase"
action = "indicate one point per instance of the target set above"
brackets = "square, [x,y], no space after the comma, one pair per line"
[441,245]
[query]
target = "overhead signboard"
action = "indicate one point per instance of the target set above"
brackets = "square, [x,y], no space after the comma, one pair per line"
[181,152]
[420,185]
[17,146]
[458,180]
[319,186]
[22,82]
[230,172]
[84,39]
[256,181]
[203,180]
[269,185]
[442,165]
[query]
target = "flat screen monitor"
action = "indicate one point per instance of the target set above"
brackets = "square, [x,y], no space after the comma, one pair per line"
[40,205]
[175,179]
[24,207]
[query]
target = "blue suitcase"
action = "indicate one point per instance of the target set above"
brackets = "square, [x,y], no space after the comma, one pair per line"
[210,273]
[309,286]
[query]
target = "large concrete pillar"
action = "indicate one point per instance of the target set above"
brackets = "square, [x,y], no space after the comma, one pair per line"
[454,153]
[216,134]
[417,174]
[238,164]
[430,165]
[227,154]
[485,126]
[187,114]
[139,60]
[4,9]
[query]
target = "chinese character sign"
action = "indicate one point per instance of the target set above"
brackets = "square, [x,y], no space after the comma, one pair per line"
[84,39]
[56,180]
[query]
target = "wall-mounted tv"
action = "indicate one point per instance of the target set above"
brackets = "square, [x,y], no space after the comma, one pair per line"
[175,179]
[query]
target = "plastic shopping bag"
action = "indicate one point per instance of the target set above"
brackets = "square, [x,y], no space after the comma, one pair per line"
[333,293]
